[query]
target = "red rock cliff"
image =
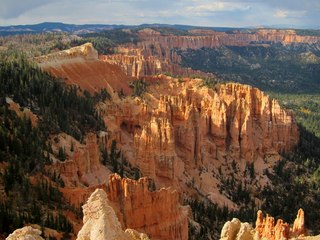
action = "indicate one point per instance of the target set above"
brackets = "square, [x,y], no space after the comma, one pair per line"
[157,213]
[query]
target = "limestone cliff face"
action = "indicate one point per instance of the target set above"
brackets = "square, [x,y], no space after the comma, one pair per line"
[157,213]
[265,229]
[182,125]
[100,221]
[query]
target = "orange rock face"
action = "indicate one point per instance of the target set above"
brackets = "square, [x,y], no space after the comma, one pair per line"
[267,230]
[181,126]
[298,225]
[140,62]
[157,213]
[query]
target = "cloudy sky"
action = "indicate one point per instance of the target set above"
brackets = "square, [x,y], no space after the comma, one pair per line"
[232,13]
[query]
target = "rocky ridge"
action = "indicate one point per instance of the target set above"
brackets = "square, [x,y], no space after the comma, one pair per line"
[80,66]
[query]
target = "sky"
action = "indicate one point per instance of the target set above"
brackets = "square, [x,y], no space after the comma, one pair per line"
[218,13]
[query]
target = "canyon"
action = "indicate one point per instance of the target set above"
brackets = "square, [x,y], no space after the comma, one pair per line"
[179,133]
[182,131]
[156,52]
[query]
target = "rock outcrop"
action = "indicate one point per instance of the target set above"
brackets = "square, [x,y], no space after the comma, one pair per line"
[157,213]
[101,223]
[236,230]
[25,233]
[265,229]
[80,66]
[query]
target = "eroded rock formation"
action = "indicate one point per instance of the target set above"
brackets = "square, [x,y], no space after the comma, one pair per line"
[25,233]
[265,229]
[101,223]
[182,126]
[83,166]
[298,225]
[148,61]
[157,213]
[235,229]
[181,132]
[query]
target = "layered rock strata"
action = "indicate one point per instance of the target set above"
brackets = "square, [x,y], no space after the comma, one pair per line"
[157,213]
